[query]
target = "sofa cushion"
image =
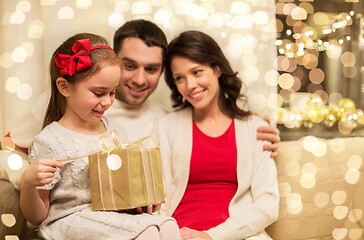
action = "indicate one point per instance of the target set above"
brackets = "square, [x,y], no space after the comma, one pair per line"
[321,189]
[12,221]
[12,165]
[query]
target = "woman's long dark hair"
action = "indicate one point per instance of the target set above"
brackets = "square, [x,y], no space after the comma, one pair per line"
[57,103]
[201,48]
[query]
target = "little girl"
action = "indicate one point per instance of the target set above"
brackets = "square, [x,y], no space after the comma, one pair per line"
[84,74]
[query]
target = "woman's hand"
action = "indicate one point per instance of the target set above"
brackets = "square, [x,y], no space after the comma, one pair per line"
[188,233]
[41,172]
[271,134]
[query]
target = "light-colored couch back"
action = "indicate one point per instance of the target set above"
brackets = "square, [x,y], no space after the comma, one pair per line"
[322,189]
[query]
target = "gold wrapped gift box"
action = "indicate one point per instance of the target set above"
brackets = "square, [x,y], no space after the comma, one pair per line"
[126,178]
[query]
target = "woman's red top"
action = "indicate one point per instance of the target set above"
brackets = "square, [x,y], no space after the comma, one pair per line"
[212,182]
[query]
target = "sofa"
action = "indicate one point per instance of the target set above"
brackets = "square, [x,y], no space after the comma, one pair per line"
[320,184]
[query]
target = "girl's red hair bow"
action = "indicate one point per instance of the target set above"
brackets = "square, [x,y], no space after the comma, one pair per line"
[80,60]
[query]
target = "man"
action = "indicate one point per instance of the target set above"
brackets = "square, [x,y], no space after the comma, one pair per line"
[141,47]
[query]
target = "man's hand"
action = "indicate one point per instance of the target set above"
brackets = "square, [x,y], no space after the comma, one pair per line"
[150,208]
[188,233]
[271,134]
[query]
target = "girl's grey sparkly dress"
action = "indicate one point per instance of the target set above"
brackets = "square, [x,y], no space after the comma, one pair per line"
[70,215]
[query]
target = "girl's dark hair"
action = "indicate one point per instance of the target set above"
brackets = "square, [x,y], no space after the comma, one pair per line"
[201,48]
[145,30]
[57,103]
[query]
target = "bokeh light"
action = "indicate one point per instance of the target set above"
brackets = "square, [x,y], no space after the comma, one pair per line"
[339,233]
[340,212]
[23,6]
[114,162]
[25,91]
[294,203]
[115,20]
[17,17]
[15,162]
[47,2]
[83,4]
[292,168]
[65,13]
[356,233]
[321,199]
[240,7]
[8,219]
[122,6]
[355,215]
[19,55]
[35,29]
[5,60]
[12,84]
[141,7]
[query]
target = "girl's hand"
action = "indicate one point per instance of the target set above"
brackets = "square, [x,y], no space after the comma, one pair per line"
[271,134]
[150,208]
[41,172]
[188,233]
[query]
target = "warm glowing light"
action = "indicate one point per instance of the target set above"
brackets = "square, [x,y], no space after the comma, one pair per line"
[308,181]
[17,17]
[284,189]
[29,48]
[141,7]
[15,162]
[260,17]
[294,203]
[321,199]
[65,12]
[199,13]
[122,6]
[348,59]
[299,13]
[355,162]
[242,21]
[292,168]
[352,176]
[316,76]
[271,77]
[47,2]
[215,20]
[356,233]
[8,220]
[340,212]
[240,7]
[116,20]
[19,55]
[286,81]
[12,84]
[355,215]
[25,91]
[162,17]
[83,4]
[339,233]
[35,29]
[113,162]
[310,143]
[338,197]
[5,60]
[23,6]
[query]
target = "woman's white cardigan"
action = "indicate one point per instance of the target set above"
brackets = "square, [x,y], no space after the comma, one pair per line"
[256,202]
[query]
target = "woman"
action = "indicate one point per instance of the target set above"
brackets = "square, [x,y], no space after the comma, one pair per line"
[220,184]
